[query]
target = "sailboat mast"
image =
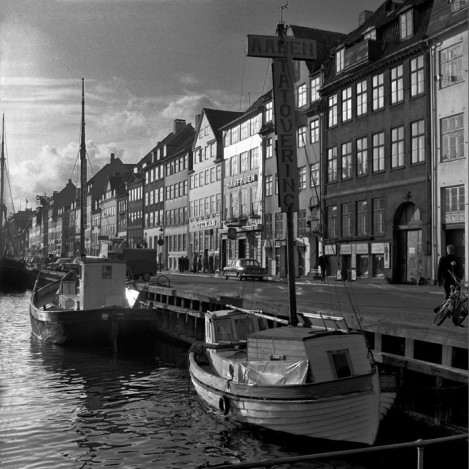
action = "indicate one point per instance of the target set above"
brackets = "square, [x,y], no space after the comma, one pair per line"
[83,178]
[2,183]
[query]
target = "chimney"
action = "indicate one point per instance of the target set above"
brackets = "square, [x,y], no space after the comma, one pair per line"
[364,16]
[178,125]
[113,157]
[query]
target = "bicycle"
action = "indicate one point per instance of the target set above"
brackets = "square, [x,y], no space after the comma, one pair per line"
[456,305]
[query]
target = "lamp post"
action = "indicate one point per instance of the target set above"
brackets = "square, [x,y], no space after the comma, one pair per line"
[160,244]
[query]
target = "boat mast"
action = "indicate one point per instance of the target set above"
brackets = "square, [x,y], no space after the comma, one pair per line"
[83,177]
[2,184]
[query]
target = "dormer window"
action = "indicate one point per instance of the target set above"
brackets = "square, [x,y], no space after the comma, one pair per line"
[406,24]
[339,59]
[457,5]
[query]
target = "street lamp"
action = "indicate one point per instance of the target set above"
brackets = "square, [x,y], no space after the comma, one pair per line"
[160,244]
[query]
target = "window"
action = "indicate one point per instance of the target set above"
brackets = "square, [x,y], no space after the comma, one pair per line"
[339,59]
[315,85]
[268,185]
[378,92]
[347,219]
[268,148]
[346,160]
[378,216]
[301,136]
[332,164]
[279,225]
[243,201]
[454,204]
[332,119]
[244,161]
[234,165]
[314,175]
[332,221]
[417,76]
[362,98]
[397,147]
[451,65]
[254,200]
[397,84]
[378,152]
[417,140]
[254,157]
[301,95]
[362,156]
[371,34]
[346,104]
[406,24]
[302,178]
[452,137]
[362,217]
[314,131]
[268,111]
[457,5]
[340,363]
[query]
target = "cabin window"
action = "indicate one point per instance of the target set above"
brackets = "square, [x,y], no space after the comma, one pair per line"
[223,332]
[340,361]
[107,272]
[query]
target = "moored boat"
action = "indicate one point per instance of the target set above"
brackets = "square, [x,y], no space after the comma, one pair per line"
[313,381]
[95,306]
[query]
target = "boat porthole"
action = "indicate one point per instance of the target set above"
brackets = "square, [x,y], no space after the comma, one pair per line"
[224,405]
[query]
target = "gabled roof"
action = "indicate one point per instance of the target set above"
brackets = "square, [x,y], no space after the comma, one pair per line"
[217,119]
[326,41]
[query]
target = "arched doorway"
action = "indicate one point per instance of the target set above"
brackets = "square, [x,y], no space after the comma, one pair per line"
[408,254]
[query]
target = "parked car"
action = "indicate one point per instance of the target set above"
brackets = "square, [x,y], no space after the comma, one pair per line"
[245,268]
[59,263]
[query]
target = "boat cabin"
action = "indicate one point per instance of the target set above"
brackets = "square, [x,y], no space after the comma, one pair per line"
[100,283]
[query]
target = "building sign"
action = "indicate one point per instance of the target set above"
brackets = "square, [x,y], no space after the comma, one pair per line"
[207,223]
[345,249]
[285,126]
[242,181]
[377,248]
[362,248]
[275,47]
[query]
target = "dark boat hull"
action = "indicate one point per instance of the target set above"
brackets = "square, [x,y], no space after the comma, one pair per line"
[114,326]
[13,274]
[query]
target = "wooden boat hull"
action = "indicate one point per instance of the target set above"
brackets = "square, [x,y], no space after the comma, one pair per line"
[108,326]
[13,274]
[343,410]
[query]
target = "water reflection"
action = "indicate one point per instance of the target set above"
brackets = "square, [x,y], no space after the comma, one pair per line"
[70,408]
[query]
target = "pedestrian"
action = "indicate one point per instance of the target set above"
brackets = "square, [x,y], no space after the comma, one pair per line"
[449,270]
[322,263]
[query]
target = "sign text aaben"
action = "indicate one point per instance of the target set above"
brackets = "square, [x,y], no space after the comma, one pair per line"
[285,126]
[275,47]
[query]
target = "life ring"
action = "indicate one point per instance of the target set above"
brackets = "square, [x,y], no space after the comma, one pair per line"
[224,405]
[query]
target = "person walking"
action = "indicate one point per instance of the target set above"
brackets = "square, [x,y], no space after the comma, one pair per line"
[449,268]
[322,263]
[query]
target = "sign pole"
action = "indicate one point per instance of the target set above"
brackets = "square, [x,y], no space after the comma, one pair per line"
[283,50]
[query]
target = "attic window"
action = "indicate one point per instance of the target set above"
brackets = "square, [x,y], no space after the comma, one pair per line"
[457,5]
[339,59]
[406,24]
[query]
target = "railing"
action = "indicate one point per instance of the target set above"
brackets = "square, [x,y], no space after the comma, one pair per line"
[419,444]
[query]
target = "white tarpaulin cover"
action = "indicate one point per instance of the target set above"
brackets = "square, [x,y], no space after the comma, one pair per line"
[271,373]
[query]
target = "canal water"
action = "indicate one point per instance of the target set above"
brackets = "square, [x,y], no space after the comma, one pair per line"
[70,408]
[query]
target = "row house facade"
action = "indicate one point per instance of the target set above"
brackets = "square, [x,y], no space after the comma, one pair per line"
[206,190]
[242,171]
[448,61]
[378,160]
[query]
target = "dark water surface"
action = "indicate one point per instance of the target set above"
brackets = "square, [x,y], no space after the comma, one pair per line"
[69,408]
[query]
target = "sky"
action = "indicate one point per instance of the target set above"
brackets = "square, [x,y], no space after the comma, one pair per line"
[145,63]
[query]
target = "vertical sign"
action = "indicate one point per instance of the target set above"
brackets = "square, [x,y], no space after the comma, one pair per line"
[285,125]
